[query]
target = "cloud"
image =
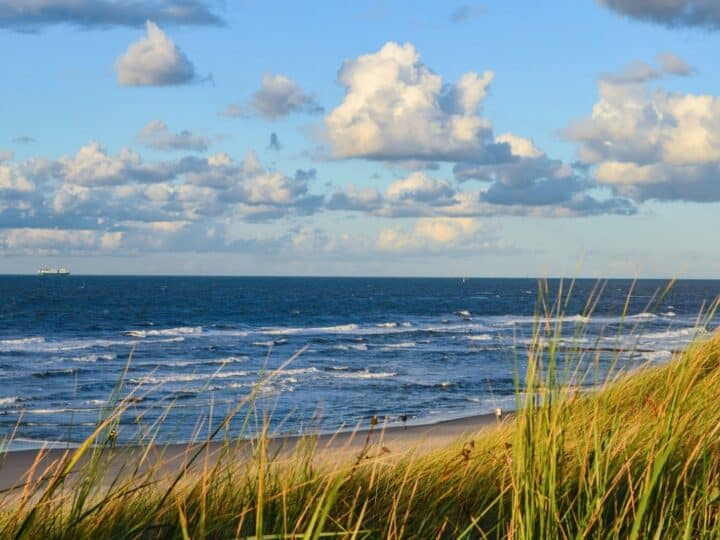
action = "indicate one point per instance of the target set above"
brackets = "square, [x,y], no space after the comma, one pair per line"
[640,72]
[31,15]
[93,166]
[418,187]
[672,64]
[465,12]
[280,96]
[13,181]
[235,111]
[181,205]
[157,135]
[274,143]
[428,235]
[354,199]
[154,61]
[648,143]
[6,155]
[396,108]
[533,186]
[53,241]
[532,180]
[672,13]
[23,139]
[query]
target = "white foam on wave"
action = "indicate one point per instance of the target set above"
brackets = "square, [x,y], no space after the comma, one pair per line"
[365,375]
[344,329]
[20,344]
[95,402]
[462,313]
[298,371]
[312,330]
[178,331]
[670,334]
[512,320]
[40,344]
[657,356]
[92,358]
[480,337]
[455,328]
[352,347]
[9,400]
[402,345]
[227,360]
[190,377]
[51,411]
[642,316]
[391,324]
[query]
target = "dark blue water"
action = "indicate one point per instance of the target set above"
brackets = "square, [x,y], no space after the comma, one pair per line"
[426,348]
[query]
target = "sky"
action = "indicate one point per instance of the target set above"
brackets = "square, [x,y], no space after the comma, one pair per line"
[501,138]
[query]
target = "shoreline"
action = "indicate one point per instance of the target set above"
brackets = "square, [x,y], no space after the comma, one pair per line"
[16,465]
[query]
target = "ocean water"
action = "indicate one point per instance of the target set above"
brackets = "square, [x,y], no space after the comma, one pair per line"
[189,349]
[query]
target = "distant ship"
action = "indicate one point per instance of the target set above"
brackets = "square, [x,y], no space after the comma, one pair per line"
[45,271]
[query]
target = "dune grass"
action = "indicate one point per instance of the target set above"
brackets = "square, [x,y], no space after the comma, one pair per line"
[637,458]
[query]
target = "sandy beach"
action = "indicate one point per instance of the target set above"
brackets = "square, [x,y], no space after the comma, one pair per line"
[19,467]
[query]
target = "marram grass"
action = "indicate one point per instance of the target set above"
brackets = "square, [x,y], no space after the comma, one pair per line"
[638,458]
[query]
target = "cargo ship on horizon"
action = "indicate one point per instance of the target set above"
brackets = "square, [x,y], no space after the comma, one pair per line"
[45,271]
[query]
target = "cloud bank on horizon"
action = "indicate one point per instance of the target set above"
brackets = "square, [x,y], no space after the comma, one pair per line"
[398,160]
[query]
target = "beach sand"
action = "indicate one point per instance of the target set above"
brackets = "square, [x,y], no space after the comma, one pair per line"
[19,467]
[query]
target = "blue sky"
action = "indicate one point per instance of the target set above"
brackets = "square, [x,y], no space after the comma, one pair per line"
[494,139]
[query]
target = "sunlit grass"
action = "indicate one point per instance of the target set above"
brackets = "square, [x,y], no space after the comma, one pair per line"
[637,458]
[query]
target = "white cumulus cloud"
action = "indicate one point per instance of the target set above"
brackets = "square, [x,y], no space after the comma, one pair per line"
[649,143]
[396,108]
[279,96]
[154,60]
[437,234]
[157,135]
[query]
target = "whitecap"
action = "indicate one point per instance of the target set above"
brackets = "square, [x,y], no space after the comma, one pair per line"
[9,400]
[480,337]
[352,347]
[176,378]
[673,334]
[337,329]
[20,343]
[365,375]
[227,360]
[178,331]
[657,356]
[298,371]
[92,358]
[40,344]
[642,316]
[402,345]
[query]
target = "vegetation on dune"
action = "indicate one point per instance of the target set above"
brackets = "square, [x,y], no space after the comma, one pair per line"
[637,458]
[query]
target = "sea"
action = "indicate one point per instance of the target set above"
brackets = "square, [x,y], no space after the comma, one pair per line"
[308,355]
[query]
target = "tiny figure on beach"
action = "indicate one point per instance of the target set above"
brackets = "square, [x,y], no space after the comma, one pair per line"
[112,437]
[404,419]
[498,413]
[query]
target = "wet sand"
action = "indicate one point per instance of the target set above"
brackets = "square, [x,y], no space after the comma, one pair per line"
[19,467]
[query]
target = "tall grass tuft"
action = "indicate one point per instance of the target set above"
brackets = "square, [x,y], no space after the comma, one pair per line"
[638,457]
